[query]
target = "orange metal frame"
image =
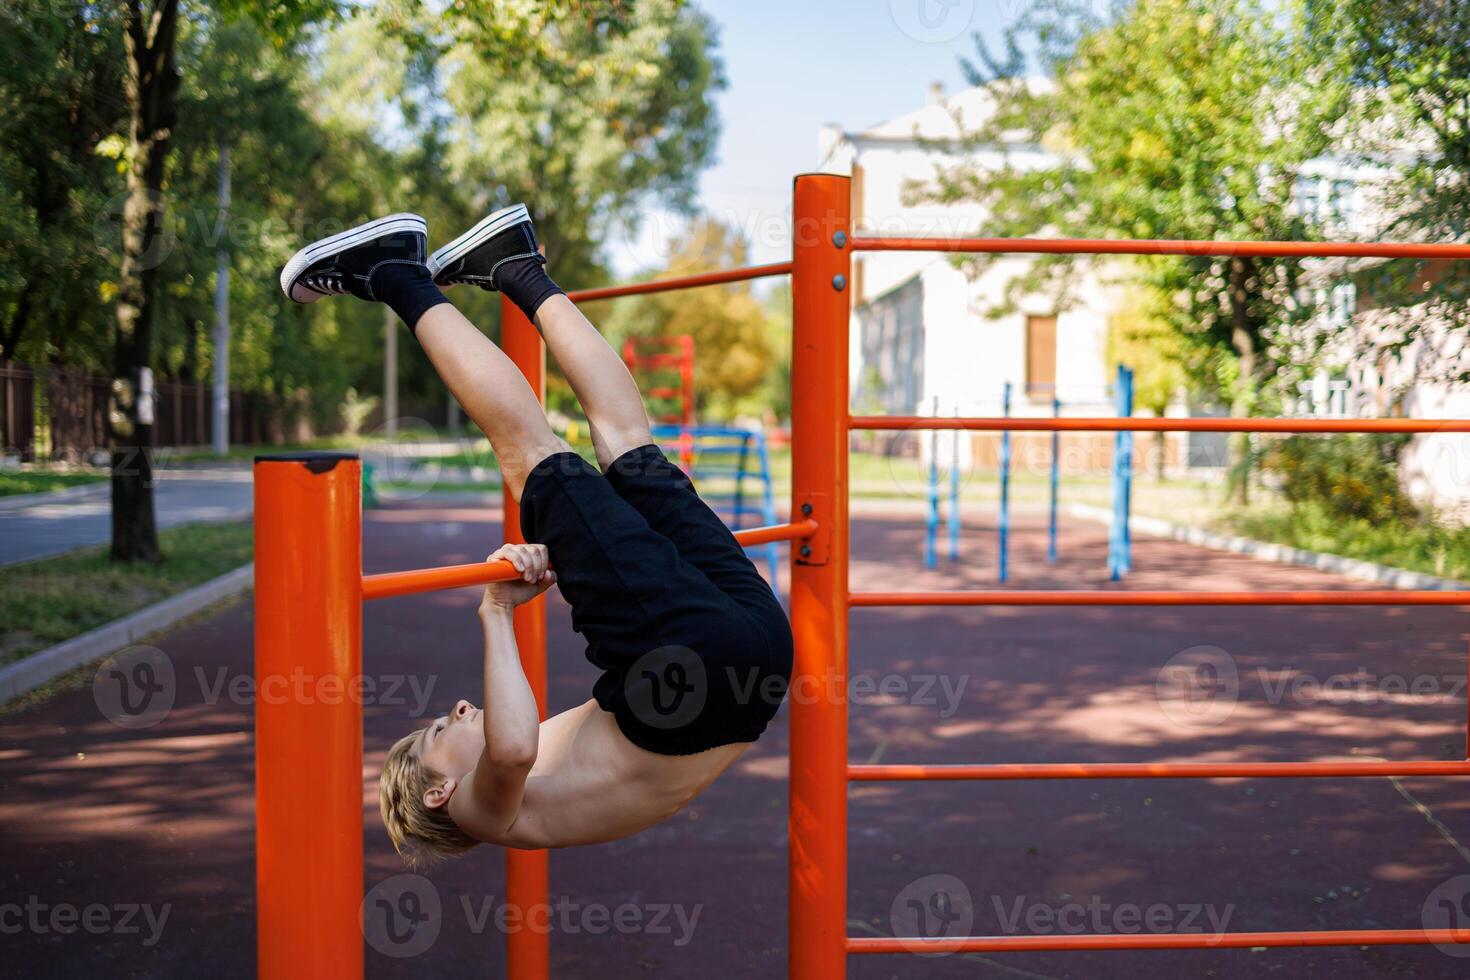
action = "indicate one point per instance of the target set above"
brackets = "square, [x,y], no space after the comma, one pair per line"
[310,589]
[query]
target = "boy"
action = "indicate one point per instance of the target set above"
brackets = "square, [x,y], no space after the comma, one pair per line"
[694,649]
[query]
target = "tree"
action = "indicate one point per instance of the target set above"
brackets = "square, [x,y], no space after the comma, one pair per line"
[151,85]
[1409,63]
[734,343]
[57,102]
[1140,339]
[503,29]
[608,119]
[1174,119]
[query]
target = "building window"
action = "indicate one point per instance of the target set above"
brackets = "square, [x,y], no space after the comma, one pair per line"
[1041,356]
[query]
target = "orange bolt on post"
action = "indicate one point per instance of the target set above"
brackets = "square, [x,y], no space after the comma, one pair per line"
[308,752]
[821,272]
[527,874]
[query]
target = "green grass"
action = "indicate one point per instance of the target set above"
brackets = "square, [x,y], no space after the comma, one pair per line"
[45,602]
[247,453]
[1418,546]
[14,482]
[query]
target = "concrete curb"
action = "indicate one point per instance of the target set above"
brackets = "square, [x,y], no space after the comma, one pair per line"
[33,671]
[1353,568]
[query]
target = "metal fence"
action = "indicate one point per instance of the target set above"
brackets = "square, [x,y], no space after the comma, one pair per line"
[59,412]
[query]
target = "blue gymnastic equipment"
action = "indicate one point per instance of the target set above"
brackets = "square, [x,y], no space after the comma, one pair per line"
[1120,542]
[736,455]
[1120,537]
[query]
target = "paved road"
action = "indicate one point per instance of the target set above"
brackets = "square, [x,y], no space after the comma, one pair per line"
[83,516]
[97,815]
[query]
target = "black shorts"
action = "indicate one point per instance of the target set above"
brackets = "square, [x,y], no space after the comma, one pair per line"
[694,648]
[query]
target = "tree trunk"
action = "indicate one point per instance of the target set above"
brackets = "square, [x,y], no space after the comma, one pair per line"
[1243,339]
[152,94]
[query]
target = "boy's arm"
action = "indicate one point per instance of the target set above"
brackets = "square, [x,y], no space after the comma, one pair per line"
[496,787]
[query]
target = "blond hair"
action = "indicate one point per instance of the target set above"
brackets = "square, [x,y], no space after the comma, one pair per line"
[421,834]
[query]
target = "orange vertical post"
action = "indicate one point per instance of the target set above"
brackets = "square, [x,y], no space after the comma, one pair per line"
[820,290]
[308,747]
[527,873]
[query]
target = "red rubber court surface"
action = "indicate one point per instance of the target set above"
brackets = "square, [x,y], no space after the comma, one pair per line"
[164,814]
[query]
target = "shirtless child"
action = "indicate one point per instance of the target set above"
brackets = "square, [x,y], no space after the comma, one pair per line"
[694,649]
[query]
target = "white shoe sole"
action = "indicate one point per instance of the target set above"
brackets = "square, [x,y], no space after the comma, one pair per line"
[380,228]
[490,226]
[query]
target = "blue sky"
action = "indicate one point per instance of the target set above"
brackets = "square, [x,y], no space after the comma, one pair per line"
[795,65]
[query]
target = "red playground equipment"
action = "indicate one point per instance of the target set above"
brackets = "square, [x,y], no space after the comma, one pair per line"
[651,360]
[310,589]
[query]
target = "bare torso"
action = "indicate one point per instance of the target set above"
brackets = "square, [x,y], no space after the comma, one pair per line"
[590,784]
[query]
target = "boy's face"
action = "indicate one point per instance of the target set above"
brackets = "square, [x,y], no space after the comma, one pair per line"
[452,743]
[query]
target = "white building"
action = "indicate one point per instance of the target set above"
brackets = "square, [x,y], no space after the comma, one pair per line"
[925,339]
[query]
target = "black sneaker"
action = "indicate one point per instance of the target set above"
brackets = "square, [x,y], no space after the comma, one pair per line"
[344,263]
[473,257]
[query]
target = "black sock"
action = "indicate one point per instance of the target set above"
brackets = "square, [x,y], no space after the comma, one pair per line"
[408,288]
[526,284]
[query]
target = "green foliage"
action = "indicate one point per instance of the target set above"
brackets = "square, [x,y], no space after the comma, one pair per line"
[60,99]
[1410,63]
[610,119]
[1420,546]
[332,113]
[1139,338]
[1171,119]
[1346,478]
[735,341]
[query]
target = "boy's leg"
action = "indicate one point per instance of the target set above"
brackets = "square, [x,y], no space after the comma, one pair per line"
[385,261]
[598,377]
[492,391]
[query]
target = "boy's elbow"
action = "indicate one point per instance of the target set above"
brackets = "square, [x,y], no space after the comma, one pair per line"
[512,758]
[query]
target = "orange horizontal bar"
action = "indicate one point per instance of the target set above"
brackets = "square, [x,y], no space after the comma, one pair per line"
[1203,940]
[1099,246]
[777,532]
[1099,597]
[388,584]
[922,422]
[1153,770]
[682,282]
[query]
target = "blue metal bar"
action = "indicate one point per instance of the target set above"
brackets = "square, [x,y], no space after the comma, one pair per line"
[954,495]
[1119,536]
[1005,485]
[931,518]
[1056,464]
